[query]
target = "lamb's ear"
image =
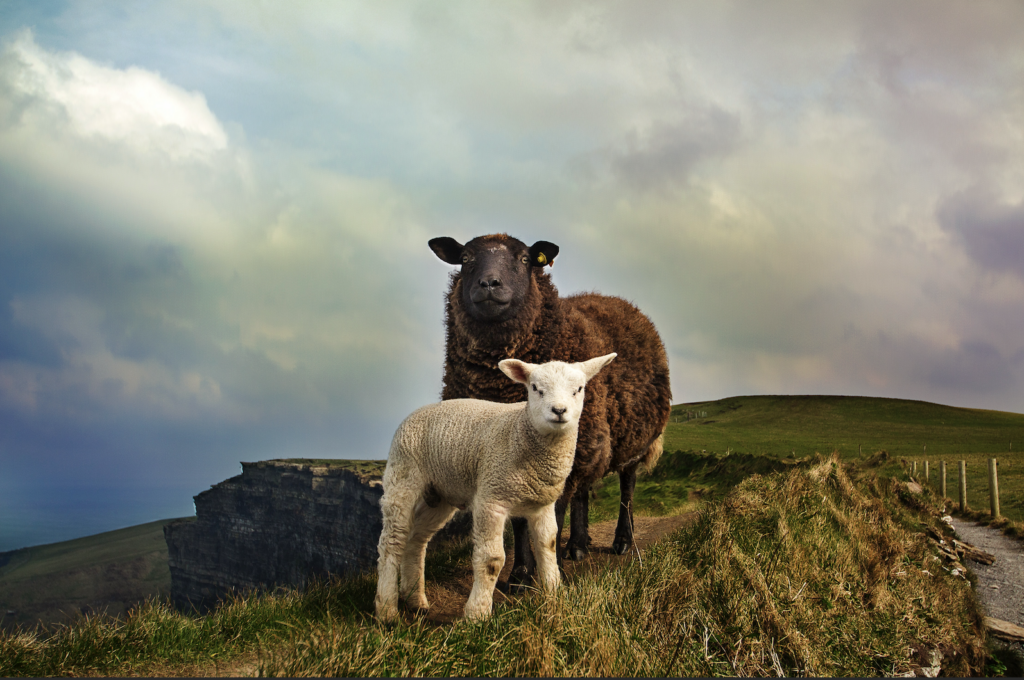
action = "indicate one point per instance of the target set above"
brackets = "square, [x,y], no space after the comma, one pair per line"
[517,370]
[447,248]
[542,253]
[590,367]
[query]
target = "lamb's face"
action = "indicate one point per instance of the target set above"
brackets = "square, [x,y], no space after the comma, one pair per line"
[496,272]
[555,396]
[554,391]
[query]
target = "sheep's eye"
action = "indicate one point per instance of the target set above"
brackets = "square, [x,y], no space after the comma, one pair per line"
[465,258]
[525,259]
[534,387]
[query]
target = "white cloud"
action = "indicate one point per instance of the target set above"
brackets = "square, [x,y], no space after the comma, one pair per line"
[132,107]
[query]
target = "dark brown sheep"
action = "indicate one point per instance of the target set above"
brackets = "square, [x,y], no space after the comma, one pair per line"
[502,305]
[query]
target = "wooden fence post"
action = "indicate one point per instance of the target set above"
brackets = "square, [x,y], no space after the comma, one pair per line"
[927,477]
[993,487]
[963,485]
[914,473]
[942,467]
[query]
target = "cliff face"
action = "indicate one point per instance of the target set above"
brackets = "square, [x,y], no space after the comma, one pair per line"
[281,522]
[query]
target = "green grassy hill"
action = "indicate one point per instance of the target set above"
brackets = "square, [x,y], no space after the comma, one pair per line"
[107,572]
[783,426]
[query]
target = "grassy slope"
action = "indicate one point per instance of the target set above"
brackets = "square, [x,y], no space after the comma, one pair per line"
[802,425]
[109,571]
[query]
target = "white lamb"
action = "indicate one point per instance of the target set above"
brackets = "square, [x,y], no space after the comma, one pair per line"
[500,460]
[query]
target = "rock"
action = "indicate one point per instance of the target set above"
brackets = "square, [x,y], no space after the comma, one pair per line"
[279,523]
[969,552]
[1004,629]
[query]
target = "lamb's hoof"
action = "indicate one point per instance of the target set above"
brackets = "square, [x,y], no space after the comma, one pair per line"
[621,546]
[575,553]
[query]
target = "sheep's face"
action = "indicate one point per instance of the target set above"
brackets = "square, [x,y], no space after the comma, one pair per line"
[496,272]
[555,390]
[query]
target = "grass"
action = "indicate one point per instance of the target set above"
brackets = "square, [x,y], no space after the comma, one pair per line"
[106,572]
[799,426]
[811,570]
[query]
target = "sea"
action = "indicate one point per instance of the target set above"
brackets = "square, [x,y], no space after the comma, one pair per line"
[31,519]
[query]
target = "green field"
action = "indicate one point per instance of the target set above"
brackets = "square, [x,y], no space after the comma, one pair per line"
[108,572]
[800,426]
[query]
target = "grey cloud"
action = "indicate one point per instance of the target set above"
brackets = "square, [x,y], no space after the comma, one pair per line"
[974,366]
[991,231]
[666,154]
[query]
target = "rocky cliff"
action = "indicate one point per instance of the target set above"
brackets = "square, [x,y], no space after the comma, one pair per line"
[281,522]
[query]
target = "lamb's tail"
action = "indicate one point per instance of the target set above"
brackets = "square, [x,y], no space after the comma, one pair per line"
[650,459]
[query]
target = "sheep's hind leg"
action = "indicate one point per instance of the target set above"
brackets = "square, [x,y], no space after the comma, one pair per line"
[578,545]
[426,521]
[488,558]
[624,529]
[523,565]
[397,509]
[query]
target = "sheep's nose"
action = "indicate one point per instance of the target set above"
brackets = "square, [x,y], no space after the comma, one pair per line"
[558,411]
[490,282]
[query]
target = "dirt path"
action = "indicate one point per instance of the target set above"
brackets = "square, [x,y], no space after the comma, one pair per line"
[1001,584]
[447,600]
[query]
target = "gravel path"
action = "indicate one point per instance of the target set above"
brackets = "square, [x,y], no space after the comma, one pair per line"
[1001,584]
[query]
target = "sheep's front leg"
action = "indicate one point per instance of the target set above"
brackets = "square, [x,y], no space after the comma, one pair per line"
[544,532]
[488,558]
[426,521]
[624,528]
[523,564]
[578,545]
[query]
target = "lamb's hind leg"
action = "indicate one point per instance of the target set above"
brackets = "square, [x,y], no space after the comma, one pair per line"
[426,521]
[397,510]
[624,529]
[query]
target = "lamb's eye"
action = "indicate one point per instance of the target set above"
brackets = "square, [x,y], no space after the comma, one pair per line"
[465,258]
[534,387]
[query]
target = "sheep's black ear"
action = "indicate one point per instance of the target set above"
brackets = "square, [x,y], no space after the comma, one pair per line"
[542,253]
[448,249]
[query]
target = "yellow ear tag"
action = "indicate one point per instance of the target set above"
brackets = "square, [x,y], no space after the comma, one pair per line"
[542,259]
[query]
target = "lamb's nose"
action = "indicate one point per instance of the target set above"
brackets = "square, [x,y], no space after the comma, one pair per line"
[558,411]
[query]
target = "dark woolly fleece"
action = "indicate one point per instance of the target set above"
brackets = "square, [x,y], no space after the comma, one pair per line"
[627,404]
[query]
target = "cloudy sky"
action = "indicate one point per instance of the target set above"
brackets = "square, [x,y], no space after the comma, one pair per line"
[214,215]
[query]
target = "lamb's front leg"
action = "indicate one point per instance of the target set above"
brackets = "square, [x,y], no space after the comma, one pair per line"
[544,532]
[488,558]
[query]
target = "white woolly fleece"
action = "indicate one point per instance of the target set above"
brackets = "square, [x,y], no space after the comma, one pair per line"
[501,460]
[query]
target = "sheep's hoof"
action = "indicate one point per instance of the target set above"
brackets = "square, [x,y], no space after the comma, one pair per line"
[575,553]
[519,581]
[621,546]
